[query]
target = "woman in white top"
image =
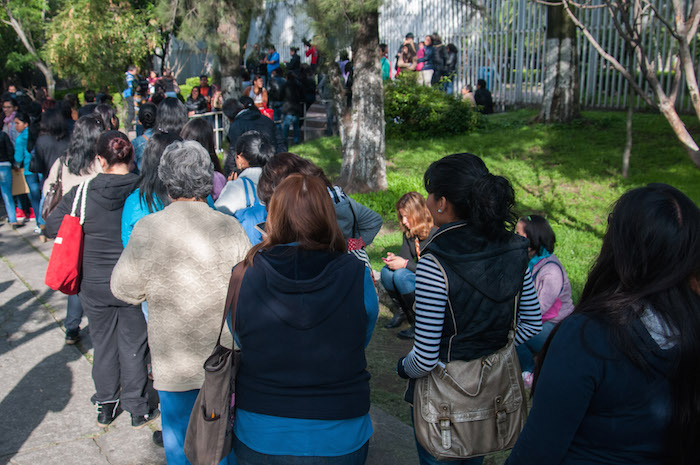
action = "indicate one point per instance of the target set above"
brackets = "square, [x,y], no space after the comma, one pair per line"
[251,153]
[257,92]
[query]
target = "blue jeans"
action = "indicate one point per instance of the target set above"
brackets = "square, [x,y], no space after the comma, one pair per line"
[294,120]
[401,281]
[6,190]
[74,313]
[247,456]
[34,182]
[529,348]
[424,457]
[175,409]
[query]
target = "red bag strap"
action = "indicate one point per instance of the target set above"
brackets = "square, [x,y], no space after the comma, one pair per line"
[234,290]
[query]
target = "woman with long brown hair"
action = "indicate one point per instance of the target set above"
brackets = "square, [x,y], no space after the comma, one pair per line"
[399,274]
[305,313]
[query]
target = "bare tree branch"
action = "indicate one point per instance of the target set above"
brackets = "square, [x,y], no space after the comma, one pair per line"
[609,58]
[664,21]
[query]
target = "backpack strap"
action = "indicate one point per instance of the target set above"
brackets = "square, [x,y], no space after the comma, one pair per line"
[249,183]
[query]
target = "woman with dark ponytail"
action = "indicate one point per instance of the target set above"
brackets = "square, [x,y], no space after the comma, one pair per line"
[469,275]
[618,380]
[117,329]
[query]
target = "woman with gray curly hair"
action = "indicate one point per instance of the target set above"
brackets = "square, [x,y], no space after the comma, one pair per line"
[180,259]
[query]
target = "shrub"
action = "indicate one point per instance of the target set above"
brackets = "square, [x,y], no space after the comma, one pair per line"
[413,111]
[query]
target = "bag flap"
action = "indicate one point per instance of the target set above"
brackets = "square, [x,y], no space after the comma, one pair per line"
[469,391]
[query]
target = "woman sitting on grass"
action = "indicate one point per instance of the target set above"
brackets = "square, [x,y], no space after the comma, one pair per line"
[399,274]
[618,380]
[552,284]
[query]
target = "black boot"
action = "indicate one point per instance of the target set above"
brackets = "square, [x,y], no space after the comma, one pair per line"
[409,333]
[107,412]
[139,421]
[396,321]
[399,316]
[407,303]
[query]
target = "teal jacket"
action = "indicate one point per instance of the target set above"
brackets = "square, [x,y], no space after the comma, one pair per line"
[22,157]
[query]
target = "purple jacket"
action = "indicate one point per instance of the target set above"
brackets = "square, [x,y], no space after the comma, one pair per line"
[553,289]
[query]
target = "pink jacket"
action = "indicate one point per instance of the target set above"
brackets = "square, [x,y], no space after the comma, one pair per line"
[553,289]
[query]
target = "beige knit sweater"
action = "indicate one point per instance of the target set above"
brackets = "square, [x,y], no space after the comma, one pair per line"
[180,261]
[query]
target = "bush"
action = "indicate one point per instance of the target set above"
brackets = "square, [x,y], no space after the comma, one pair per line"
[416,111]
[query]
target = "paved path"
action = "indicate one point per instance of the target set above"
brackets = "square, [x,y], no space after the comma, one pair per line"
[45,386]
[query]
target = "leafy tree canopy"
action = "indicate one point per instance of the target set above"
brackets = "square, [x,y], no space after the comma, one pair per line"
[95,40]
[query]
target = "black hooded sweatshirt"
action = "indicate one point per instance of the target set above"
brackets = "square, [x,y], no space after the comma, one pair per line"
[102,244]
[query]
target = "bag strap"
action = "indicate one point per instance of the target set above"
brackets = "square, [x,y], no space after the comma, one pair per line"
[249,183]
[80,197]
[234,290]
[355,227]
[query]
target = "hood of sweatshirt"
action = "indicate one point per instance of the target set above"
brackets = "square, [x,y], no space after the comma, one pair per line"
[111,190]
[304,281]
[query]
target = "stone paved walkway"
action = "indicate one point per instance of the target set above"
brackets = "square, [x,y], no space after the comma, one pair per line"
[45,386]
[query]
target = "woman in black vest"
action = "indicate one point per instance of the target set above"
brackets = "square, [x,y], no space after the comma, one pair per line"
[305,314]
[485,264]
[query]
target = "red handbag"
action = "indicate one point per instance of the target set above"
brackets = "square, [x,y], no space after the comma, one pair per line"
[269,112]
[63,272]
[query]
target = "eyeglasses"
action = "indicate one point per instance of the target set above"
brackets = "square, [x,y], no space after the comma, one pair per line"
[7,107]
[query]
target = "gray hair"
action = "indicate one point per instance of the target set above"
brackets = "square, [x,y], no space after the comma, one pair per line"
[186,170]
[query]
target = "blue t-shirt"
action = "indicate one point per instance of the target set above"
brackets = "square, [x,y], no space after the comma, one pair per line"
[275,58]
[301,437]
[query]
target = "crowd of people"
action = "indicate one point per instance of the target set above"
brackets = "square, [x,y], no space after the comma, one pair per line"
[165,222]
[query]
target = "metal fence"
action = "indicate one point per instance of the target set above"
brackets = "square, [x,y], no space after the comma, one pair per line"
[503,42]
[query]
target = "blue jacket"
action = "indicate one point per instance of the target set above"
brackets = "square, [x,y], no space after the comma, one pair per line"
[593,405]
[135,208]
[427,58]
[139,144]
[22,157]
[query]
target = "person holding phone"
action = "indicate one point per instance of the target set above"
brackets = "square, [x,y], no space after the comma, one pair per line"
[399,274]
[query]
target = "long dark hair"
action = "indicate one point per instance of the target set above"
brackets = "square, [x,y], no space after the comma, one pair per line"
[115,148]
[650,258]
[54,124]
[201,130]
[484,200]
[108,115]
[171,116]
[149,183]
[81,152]
[539,233]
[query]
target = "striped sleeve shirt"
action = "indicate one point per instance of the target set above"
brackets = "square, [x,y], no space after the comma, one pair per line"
[431,301]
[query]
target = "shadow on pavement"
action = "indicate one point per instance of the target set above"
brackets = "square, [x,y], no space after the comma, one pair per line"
[45,388]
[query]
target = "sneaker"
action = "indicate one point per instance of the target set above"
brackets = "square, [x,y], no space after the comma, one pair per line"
[139,421]
[37,230]
[31,214]
[72,337]
[158,438]
[527,379]
[107,412]
[20,214]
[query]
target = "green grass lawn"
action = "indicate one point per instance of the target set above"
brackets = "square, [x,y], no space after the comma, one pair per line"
[570,173]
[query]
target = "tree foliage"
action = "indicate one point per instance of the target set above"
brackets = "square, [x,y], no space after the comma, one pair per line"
[95,40]
[24,33]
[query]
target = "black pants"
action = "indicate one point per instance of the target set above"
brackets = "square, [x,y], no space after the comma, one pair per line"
[119,365]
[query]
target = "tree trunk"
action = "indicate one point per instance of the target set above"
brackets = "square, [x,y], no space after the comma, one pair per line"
[43,67]
[560,102]
[628,144]
[228,51]
[362,127]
